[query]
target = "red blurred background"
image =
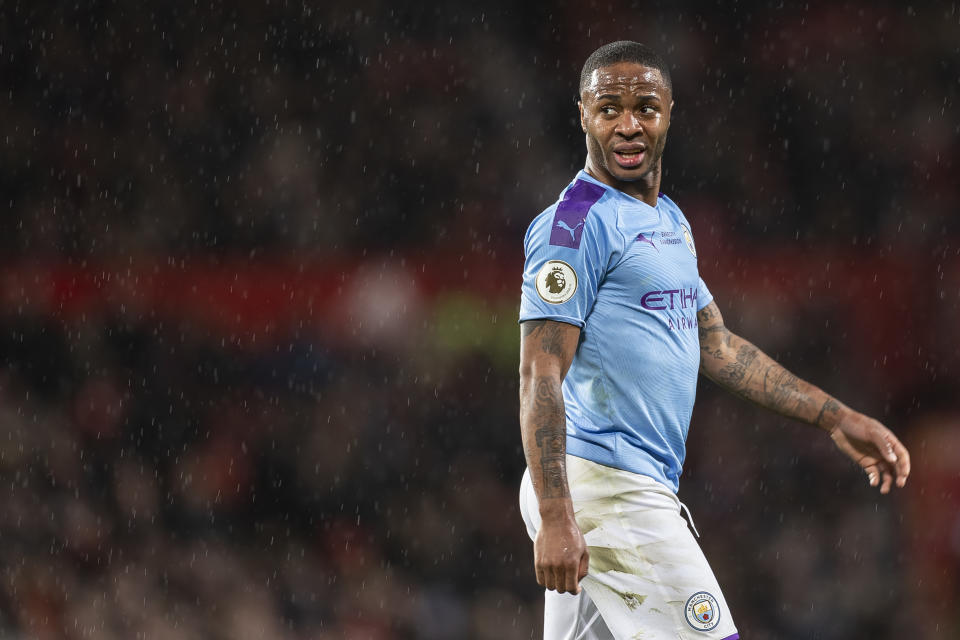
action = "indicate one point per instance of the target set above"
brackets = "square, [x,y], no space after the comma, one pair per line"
[260,272]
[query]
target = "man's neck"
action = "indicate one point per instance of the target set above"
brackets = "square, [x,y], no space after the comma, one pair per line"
[646,188]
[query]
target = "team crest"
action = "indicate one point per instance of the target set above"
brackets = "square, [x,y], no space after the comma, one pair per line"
[702,611]
[556,282]
[688,237]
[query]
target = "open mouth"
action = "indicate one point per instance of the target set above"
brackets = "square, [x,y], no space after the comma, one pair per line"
[629,159]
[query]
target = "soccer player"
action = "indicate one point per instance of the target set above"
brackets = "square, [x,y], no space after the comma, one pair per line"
[616,323]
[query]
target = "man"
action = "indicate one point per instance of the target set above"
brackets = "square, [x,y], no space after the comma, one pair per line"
[616,325]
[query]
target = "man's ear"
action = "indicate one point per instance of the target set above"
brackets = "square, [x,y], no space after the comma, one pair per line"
[583,125]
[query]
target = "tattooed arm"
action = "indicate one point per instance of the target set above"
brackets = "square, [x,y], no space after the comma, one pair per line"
[546,351]
[741,368]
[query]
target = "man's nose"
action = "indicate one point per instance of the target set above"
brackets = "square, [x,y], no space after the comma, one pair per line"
[629,125]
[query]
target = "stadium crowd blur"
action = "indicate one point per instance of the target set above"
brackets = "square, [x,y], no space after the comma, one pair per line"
[260,272]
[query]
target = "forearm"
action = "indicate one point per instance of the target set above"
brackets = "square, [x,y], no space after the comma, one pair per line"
[543,431]
[741,368]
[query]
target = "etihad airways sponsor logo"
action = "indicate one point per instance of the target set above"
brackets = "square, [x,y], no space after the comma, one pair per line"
[669,299]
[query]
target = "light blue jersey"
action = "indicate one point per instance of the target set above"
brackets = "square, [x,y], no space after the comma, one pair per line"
[626,274]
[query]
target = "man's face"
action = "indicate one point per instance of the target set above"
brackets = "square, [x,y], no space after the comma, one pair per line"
[625,112]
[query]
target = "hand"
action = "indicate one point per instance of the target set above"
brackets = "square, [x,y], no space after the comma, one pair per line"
[873,447]
[560,555]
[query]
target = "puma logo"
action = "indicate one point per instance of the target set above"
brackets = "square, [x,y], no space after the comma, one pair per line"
[564,225]
[649,241]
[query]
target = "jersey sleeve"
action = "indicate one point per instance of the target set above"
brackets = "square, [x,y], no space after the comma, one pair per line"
[704,297]
[564,267]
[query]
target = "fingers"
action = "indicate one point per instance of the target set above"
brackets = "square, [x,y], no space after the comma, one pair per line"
[579,573]
[555,582]
[558,552]
[885,475]
[571,583]
[873,473]
[559,579]
[584,565]
[898,461]
[893,467]
[546,578]
[886,447]
[563,578]
[903,461]
[887,481]
[880,473]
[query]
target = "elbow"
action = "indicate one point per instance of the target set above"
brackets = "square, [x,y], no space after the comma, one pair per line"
[707,371]
[525,369]
[712,360]
[536,368]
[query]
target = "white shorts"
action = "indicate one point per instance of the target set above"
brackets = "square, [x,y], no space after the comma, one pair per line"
[648,577]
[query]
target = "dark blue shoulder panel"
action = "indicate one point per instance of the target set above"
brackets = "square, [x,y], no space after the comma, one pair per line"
[572,213]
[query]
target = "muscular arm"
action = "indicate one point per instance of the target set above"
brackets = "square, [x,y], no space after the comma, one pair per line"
[741,368]
[546,351]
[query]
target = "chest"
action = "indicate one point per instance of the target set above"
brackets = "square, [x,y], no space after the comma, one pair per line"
[658,268]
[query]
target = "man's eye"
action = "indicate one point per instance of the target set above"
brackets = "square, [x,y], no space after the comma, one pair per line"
[607,111]
[647,109]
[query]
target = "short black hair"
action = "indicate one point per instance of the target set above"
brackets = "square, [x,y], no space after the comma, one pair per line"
[624,51]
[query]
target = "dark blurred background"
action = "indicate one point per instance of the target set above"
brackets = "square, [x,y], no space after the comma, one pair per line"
[260,269]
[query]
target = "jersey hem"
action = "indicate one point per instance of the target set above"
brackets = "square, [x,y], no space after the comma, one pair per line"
[559,318]
[607,456]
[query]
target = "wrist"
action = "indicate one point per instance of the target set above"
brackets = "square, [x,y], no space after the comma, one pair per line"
[556,509]
[832,414]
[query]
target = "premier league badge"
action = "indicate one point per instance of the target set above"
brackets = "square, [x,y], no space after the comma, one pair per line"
[702,611]
[556,282]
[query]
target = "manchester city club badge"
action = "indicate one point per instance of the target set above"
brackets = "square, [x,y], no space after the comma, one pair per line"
[688,237]
[556,282]
[702,611]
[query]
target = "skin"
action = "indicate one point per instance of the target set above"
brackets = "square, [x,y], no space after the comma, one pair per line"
[546,351]
[626,106]
[629,104]
[741,368]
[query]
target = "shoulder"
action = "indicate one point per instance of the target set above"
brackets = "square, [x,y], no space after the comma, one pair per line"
[668,205]
[583,208]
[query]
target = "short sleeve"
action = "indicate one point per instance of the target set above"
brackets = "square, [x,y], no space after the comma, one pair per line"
[567,251]
[704,297]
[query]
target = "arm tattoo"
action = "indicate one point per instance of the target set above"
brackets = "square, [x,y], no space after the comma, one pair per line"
[735,374]
[829,411]
[550,437]
[546,350]
[778,385]
[753,375]
[742,368]
[706,314]
[530,326]
[707,335]
[551,338]
[783,393]
[714,336]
